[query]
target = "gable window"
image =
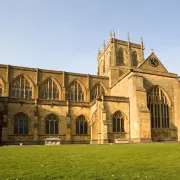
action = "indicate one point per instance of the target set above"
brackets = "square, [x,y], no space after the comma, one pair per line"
[21,88]
[52,124]
[81,125]
[159,108]
[49,90]
[97,91]
[75,92]
[118,122]
[21,124]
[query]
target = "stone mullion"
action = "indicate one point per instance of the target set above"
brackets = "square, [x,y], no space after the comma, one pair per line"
[49,126]
[153,114]
[77,92]
[159,108]
[24,89]
[166,115]
[52,90]
[157,115]
[48,91]
[23,126]
[20,87]
[54,127]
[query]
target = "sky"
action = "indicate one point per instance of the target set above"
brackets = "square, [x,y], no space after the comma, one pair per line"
[65,35]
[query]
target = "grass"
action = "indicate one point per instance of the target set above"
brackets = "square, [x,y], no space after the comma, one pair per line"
[132,161]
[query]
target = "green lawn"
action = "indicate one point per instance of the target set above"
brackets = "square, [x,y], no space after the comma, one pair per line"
[131,161]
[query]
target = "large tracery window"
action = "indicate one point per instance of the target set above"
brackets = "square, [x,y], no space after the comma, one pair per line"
[52,124]
[97,91]
[21,124]
[120,57]
[49,90]
[134,59]
[21,88]
[81,125]
[118,122]
[75,92]
[159,108]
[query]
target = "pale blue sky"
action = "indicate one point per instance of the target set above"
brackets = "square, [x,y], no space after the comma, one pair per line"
[66,34]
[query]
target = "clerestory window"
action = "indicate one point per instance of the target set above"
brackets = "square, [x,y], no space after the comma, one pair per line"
[21,88]
[75,92]
[49,90]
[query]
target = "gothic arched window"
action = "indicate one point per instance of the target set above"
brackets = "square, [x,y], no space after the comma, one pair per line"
[118,122]
[159,108]
[1,89]
[75,92]
[134,59]
[21,124]
[21,88]
[52,124]
[49,90]
[120,57]
[96,91]
[81,125]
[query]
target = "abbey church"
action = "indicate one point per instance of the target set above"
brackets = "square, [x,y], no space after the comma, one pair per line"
[131,99]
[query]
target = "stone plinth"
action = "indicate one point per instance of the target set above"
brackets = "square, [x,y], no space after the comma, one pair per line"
[52,141]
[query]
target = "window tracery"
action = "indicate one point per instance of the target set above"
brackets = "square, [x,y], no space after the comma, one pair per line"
[81,125]
[49,90]
[134,59]
[21,88]
[97,91]
[159,108]
[75,92]
[118,122]
[21,124]
[52,124]
[120,57]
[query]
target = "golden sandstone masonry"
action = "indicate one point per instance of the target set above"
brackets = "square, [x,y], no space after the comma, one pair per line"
[130,99]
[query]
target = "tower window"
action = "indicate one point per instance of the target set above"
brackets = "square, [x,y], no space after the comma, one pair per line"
[120,57]
[134,59]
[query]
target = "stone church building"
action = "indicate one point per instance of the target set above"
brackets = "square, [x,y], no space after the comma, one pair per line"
[130,99]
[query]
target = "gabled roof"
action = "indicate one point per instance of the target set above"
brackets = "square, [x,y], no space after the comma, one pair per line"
[147,66]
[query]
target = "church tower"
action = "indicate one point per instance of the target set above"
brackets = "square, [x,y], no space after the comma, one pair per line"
[119,57]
